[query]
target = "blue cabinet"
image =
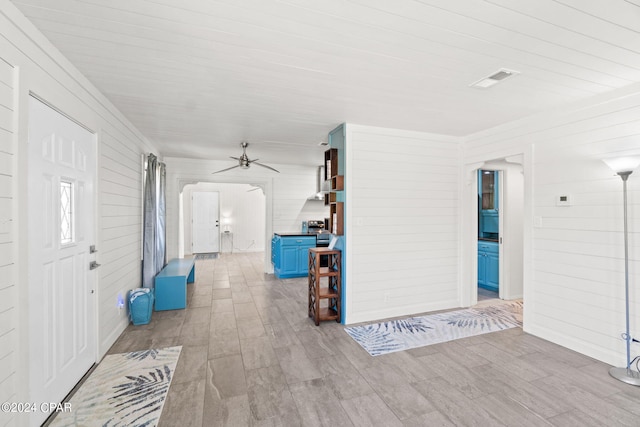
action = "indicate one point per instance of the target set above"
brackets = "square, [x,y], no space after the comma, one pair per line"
[288,262]
[488,265]
[290,255]
[274,257]
[488,202]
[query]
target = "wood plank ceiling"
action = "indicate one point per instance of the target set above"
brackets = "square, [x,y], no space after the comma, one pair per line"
[199,76]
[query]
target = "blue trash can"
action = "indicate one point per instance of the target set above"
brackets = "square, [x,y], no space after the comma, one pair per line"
[140,306]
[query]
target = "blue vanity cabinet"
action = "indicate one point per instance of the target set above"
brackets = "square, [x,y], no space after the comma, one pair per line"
[290,255]
[488,265]
[493,271]
[482,268]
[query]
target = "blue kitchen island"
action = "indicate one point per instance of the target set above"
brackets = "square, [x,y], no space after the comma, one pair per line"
[290,254]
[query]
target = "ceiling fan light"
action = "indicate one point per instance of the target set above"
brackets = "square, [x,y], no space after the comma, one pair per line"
[244,162]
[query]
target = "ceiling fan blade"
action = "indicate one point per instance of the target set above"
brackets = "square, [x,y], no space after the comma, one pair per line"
[223,170]
[234,158]
[265,166]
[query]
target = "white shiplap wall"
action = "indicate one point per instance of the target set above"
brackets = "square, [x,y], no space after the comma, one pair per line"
[8,315]
[120,222]
[574,269]
[286,195]
[402,198]
[41,69]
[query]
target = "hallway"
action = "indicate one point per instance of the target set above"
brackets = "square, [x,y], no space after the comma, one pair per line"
[252,357]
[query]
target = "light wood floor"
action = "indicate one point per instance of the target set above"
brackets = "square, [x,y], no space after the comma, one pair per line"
[251,356]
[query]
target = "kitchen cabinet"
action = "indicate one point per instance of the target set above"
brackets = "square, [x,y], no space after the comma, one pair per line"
[488,202]
[488,265]
[336,206]
[289,255]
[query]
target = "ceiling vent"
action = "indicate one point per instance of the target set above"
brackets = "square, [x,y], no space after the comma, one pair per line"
[494,78]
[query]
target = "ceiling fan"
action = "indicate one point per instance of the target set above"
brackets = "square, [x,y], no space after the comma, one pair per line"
[244,162]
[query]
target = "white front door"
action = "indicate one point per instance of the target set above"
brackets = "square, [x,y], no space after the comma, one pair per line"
[205,225]
[61,197]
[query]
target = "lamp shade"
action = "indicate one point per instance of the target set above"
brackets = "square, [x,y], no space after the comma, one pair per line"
[623,164]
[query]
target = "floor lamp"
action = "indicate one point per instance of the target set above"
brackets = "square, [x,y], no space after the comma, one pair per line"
[624,167]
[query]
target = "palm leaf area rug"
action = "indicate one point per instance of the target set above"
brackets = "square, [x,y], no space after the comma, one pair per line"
[404,334]
[127,389]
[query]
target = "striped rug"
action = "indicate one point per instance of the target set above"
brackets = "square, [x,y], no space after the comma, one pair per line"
[127,389]
[404,334]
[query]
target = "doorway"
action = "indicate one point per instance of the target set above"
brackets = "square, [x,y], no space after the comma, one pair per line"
[508,174]
[61,234]
[242,216]
[489,234]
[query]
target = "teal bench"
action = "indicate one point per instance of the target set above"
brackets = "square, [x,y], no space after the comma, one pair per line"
[171,284]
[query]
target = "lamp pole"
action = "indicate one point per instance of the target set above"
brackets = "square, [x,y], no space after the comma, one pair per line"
[626,374]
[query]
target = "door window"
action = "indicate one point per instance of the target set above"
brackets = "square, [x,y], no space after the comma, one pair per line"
[66,212]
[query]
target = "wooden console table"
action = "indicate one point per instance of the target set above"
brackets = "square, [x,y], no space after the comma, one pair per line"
[325,291]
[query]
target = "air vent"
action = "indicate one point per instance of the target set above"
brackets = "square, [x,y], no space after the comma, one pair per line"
[494,78]
[500,75]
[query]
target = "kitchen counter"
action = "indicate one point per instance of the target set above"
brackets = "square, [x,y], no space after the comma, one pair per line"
[299,234]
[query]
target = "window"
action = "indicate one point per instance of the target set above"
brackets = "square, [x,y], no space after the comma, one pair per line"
[66,212]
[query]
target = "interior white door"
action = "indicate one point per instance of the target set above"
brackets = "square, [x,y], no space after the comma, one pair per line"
[61,200]
[205,222]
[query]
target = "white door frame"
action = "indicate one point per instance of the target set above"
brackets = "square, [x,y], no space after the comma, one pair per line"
[265,183]
[469,229]
[92,314]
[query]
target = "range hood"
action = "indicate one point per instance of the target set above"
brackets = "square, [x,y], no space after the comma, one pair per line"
[322,186]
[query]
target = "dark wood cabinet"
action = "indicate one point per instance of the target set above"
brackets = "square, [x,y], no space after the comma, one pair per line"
[336,207]
[325,285]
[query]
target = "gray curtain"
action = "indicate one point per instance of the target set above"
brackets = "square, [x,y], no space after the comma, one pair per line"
[154,241]
[161,233]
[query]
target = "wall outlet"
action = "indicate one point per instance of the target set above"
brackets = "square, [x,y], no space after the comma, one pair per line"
[120,303]
[537,221]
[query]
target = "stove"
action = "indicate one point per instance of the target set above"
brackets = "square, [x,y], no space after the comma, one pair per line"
[322,236]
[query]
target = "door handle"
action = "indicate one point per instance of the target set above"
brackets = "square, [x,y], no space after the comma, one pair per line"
[93,265]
